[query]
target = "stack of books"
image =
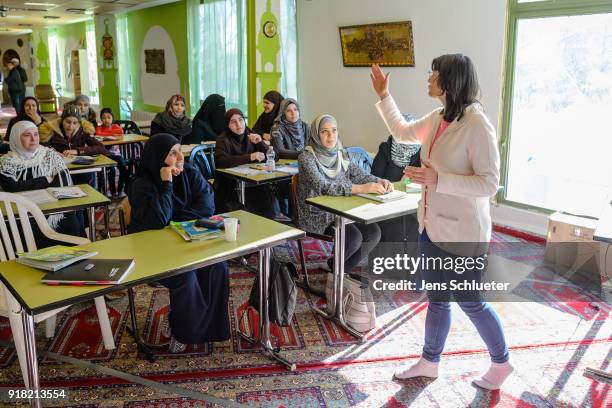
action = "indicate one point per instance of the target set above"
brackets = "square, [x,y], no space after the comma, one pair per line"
[190,232]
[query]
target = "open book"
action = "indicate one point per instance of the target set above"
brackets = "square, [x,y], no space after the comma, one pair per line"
[53,258]
[66,192]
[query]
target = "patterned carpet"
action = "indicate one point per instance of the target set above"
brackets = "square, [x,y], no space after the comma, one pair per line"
[551,344]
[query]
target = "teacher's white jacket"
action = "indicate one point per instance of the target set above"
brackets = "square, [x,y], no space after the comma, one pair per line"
[466,158]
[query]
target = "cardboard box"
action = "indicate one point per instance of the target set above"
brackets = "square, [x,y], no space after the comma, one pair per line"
[571,252]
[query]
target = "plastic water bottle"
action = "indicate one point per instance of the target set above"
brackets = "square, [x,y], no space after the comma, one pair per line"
[270,163]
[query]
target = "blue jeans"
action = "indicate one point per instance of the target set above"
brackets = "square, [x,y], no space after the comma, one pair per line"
[437,321]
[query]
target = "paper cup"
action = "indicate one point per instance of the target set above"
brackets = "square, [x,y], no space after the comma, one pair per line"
[231,229]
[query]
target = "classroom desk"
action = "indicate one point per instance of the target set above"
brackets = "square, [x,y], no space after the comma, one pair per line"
[260,178]
[362,210]
[158,254]
[125,139]
[100,165]
[94,199]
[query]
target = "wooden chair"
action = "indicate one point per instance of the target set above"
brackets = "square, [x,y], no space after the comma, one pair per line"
[13,236]
[305,283]
[46,96]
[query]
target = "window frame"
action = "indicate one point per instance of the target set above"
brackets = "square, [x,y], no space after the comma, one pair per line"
[516,11]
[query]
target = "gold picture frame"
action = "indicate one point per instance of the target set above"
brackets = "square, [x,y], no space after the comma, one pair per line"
[386,44]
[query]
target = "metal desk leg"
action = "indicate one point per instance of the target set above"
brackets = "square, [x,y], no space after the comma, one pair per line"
[336,308]
[107,222]
[241,193]
[91,212]
[142,346]
[31,360]
[264,318]
[104,181]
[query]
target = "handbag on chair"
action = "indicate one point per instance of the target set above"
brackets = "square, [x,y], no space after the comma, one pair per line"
[359,307]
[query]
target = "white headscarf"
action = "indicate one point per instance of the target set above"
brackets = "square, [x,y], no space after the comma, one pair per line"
[15,139]
[44,162]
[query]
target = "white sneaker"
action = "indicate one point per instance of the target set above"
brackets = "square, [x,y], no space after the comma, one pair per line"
[422,368]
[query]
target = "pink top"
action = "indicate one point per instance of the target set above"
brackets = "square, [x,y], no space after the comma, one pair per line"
[443,125]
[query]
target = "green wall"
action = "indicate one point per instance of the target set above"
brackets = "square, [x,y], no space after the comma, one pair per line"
[75,33]
[172,18]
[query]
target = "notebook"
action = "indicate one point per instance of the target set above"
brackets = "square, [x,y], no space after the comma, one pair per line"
[53,258]
[103,272]
[66,192]
[384,198]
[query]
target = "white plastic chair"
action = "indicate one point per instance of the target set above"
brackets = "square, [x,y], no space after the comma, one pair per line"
[9,306]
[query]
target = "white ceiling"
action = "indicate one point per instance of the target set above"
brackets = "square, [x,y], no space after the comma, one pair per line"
[24,16]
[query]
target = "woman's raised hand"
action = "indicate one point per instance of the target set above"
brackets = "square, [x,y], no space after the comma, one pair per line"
[257,156]
[166,173]
[254,138]
[380,81]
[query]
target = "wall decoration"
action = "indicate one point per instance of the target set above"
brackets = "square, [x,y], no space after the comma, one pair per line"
[108,51]
[269,29]
[386,44]
[154,62]
[19,42]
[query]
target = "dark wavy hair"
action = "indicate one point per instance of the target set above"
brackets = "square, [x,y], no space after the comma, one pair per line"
[457,78]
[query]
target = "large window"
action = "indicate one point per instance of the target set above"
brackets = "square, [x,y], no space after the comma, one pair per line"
[218,44]
[558,98]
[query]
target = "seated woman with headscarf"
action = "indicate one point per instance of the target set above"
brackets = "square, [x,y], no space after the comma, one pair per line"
[173,120]
[390,161]
[30,166]
[82,102]
[30,111]
[166,189]
[209,122]
[271,104]
[325,169]
[237,145]
[289,132]
[48,128]
[71,139]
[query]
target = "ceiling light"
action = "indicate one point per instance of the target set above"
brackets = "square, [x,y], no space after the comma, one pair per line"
[89,12]
[25,25]
[11,16]
[41,4]
[51,17]
[75,10]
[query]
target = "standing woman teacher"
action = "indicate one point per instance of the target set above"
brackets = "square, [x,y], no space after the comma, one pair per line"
[459,172]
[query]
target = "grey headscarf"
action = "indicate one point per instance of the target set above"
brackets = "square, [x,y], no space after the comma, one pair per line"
[330,161]
[401,153]
[297,132]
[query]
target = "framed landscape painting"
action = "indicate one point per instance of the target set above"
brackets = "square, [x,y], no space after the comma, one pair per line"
[386,44]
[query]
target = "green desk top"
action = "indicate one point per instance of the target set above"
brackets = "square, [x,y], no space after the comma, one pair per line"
[157,254]
[94,199]
[126,139]
[101,161]
[260,178]
[363,210]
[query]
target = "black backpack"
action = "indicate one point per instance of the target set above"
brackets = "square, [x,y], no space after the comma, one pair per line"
[282,293]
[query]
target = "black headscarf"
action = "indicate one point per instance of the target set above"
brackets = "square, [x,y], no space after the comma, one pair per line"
[179,126]
[212,111]
[154,155]
[265,120]
[238,142]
